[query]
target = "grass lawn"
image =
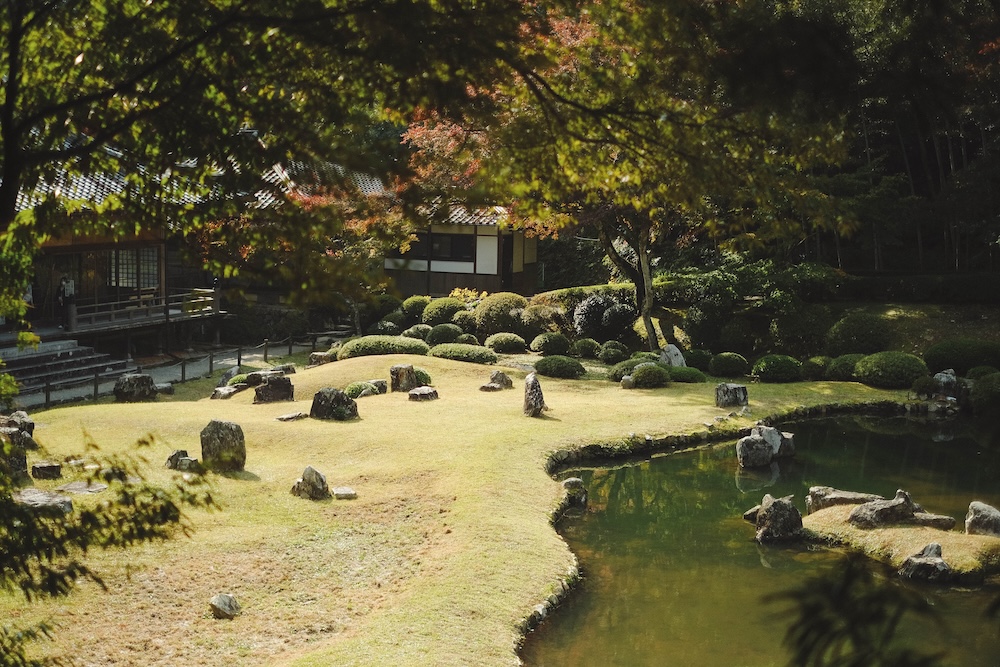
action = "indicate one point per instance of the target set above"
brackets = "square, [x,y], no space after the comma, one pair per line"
[447,548]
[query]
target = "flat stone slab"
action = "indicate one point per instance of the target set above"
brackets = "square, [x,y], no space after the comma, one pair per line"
[292,416]
[423,394]
[229,390]
[343,493]
[827,496]
[37,498]
[83,487]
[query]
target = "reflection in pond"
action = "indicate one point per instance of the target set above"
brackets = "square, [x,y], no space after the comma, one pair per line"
[673,576]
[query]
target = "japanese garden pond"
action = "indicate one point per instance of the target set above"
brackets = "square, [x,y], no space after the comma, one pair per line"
[673,576]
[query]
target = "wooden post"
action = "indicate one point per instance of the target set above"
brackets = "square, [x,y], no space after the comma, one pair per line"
[97,383]
[48,393]
[211,363]
[289,345]
[184,364]
[239,356]
[265,350]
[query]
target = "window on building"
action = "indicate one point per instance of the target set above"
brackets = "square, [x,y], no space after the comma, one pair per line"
[453,247]
[134,268]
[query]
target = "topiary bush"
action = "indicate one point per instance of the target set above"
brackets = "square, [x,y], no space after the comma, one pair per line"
[688,374]
[962,354]
[618,319]
[984,396]
[413,307]
[465,319]
[650,375]
[924,387]
[423,377]
[890,370]
[623,368]
[700,359]
[977,372]
[441,310]
[476,354]
[841,369]
[588,316]
[443,333]
[372,345]
[396,317]
[506,343]
[499,312]
[467,339]
[814,368]
[777,368]
[612,352]
[385,304]
[729,365]
[859,333]
[384,328]
[585,348]
[355,389]
[550,343]
[537,319]
[418,331]
[558,366]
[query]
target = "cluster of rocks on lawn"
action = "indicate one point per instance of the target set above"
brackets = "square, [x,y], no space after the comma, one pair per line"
[778,520]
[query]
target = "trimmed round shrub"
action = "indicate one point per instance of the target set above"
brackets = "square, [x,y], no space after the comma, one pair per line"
[537,319]
[550,343]
[814,368]
[623,368]
[465,319]
[700,359]
[650,375]
[841,369]
[384,328]
[645,354]
[585,348]
[499,312]
[558,366]
[506,343]
[984,396]
[441,310]
[372,345]
[423,377]
[467,339]
[687,374]
[588,316]
[443,333]
[396,317]
[924,386]
[977,372]
[890,370]
[419,331]
[476,354]
[413,307]
[618,319]
[729,365]
[778,368]
[962,354]
[612,352]
[385,304]
[355,388]
[858,333]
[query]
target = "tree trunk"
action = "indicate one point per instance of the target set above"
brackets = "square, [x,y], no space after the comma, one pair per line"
[646,306]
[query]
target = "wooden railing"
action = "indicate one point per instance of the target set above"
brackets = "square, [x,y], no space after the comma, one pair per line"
[181,305]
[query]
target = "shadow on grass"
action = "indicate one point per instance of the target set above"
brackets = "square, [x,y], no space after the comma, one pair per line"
[240,475]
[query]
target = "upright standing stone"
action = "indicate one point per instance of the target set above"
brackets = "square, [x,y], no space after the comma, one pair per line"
[223,446]
[330,403]
[502,379]
[228,375]
[534,402]
[728,395]
[672,356]
[982,519]
[777,519]
[275,388]
[403,378]
[312,485]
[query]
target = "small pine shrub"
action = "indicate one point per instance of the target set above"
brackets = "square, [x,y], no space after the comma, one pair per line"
[814,368]
[729,365]
[977,372]
[443,333]
[442,310]
[984,396]
[385,304]
[777,368]
[467,339]
[550,343]
[924,387]
[841,369]
[585,348]
[506,343]
[537,319]
[465,319]
[413,307]
[372,345]
[650,375]
[612,352]
[890,370]
[496,313]
[700,359]
[355,389]
[962,354]
[589,314]
[688,374]
[423,377]
[618,319]
[476,354]
[418,331]
[859,333]
[240,378]
[558,366]
[384,328]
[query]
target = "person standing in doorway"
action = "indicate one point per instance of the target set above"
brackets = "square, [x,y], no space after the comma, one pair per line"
[64,295]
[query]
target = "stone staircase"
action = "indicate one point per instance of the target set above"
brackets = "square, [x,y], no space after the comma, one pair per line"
[58,363]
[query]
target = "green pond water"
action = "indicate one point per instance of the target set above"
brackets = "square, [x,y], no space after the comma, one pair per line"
[672,575]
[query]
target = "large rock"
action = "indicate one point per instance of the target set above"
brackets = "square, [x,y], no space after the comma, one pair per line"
[13,459]
[928,565]
[312,485]
[935,521]
[19,420]
[46,470]
[947,382]
[753,451]
[276,388]
[381,386]
[403,378]
[320,358]
[982,519]
[576,491]
[228,375]
[423,394]
[782,443]
[180,461]
[39,499]
[19,439]
[224,606]
[777,520]
[820,497]
[728,395]
[878,513]
[135,388]
[330,403]
[672,356]
[229,390]
[502,379]
[534,401]
[223,446]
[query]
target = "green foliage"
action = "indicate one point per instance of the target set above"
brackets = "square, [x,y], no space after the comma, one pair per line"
[550,343]
[962,354]
[650,375]
[601,317]
[418,331]
[396,317]
[538,319]
[441,310]
[801,330]
[467,339]
[977,372]
[355,389]
[558,366]
[777,368]
[384,328]
[612,352]
[645,354]
[423,377]
[476,354]
[372,345]
[585,348]
[688,374]
[384,305]
[842,368]
[700,359]
[443,333]
[814,368]
[738,334]
[729,365]
[924,386]
[500,312]
[239,378]
[862,333]
[253,323]
[506,343]
[413,307]
[623,368]
[984,396]
[465,319]
[890,370]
